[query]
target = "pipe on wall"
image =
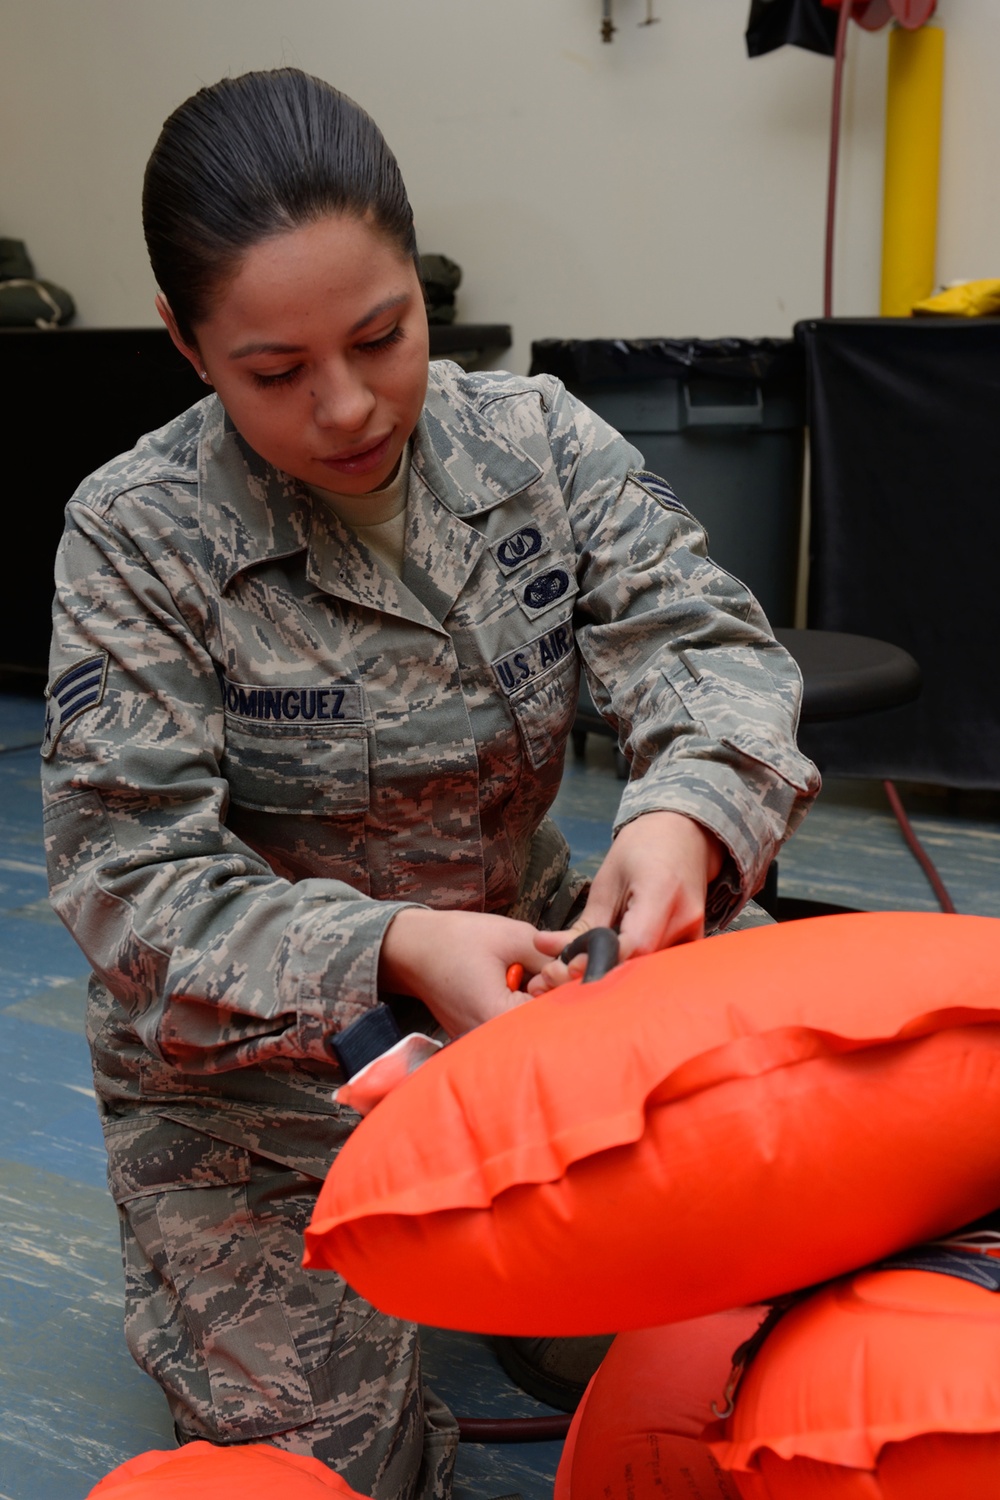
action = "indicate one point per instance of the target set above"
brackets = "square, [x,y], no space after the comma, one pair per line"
[912,165]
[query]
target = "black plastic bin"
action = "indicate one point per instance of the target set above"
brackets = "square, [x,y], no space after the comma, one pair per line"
[723,421]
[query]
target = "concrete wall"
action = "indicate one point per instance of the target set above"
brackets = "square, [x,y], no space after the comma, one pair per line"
[664,184]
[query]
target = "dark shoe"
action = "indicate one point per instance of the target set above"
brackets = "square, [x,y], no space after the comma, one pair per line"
[556,1371]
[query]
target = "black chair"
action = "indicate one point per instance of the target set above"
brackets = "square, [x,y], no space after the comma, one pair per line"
[843,676]
[847,675]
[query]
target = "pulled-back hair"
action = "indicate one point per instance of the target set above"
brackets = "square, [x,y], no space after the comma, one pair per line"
[250,157]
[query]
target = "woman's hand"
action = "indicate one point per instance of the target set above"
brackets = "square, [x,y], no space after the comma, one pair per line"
[651,886]
[456,962]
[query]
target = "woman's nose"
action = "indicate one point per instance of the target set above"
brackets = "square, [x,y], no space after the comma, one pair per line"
[342,400]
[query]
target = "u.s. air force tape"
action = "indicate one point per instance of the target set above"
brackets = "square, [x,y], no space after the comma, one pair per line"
[322,703]
[80,687]
[532,659]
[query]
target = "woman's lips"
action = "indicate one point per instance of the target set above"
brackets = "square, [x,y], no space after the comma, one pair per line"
[360,462]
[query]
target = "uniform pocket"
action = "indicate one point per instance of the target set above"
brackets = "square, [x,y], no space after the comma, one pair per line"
[77,833]
[148,1155]
[544,710]
[219,1309]
[205,1314]
[738,703]
[789,764]
[288,771]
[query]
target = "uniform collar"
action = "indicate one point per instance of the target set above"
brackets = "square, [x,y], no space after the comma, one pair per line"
[466,461]
[249,511]
[253,513]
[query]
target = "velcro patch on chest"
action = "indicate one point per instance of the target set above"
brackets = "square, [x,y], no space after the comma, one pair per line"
[326,703]
[518,547]
[544,590]
[659,489]
[532,659]
[80,687]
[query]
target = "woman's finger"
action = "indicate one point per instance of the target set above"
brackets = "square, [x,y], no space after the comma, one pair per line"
[557,973]
[659,917]
[553,943]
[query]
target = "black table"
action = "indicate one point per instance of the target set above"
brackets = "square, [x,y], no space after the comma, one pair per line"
[74,398]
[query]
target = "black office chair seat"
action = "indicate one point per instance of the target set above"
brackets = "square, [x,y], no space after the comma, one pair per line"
[842,676]
[846,675]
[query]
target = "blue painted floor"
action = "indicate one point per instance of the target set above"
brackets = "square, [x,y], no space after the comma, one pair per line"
[72,1405]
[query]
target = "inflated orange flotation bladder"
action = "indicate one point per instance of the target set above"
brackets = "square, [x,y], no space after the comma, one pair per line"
[709,1126]
[637,1434]
[202,1471]
[883,1386]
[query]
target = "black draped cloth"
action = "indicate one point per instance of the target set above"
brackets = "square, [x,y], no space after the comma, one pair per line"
[798,23]
[904,418]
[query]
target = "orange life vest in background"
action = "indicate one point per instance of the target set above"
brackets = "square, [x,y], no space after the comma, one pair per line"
[202,1471]
[637,1433]
[883,1386]
[704,1128]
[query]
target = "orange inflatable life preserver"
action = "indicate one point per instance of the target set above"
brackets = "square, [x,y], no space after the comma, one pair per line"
[711,1126]
[202,1471]
[637,1433]
[883,1386]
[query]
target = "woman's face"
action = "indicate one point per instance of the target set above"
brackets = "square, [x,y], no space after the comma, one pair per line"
[318,350]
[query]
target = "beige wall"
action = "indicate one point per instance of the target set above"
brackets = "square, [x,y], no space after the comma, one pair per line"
[664,184]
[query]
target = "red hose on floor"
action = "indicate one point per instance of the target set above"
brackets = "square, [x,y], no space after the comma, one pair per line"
[917,849]
[512,1429]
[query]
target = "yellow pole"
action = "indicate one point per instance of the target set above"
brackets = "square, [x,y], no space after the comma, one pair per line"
[912,160]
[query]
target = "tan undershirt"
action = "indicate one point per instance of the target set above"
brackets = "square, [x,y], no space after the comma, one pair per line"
[378,518]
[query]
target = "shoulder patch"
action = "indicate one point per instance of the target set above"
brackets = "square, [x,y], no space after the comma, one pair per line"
[80,687]
[658,488]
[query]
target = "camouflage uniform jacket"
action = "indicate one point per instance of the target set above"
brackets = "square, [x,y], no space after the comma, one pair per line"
[260,743]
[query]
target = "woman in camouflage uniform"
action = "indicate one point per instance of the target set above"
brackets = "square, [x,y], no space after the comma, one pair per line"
[315,663]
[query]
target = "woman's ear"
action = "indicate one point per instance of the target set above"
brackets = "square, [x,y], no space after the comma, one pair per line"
[189,352]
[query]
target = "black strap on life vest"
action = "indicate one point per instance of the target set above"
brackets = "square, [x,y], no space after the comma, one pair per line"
[944,1259]
[380,1028]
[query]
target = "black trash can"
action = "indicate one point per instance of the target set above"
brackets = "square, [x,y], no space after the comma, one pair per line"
[723,421]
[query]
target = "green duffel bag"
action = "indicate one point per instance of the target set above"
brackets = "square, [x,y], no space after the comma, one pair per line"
[27,303]
[14,260]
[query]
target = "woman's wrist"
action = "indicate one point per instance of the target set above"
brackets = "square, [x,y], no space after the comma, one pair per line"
[674,826]
[403,943]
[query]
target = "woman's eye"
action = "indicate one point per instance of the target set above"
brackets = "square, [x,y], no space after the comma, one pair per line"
[376,346]
[283,377]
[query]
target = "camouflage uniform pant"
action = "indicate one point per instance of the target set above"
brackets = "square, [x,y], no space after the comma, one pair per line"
[245,1343]
[248,1346]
